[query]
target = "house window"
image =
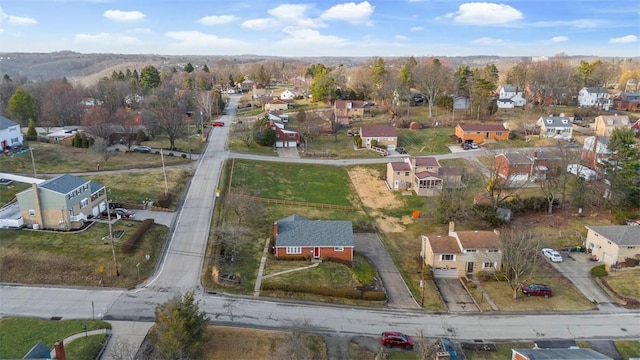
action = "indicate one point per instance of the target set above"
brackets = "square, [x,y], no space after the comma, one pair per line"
[470,250]
[397,172]
[488,265]
[447,257]
[294,250]
[493,251]
[84,203]
[338,248]
[406,173]
[499,133]
[32,212]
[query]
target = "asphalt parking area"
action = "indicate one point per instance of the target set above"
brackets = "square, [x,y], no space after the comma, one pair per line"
[455,296]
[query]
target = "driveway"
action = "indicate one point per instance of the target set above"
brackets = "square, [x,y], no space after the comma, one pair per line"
[455,296]
[576,267]
[398,293]
[288,152]
[160,217]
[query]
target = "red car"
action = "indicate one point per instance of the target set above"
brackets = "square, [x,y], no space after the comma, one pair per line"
[537,290]
[391,339]
[217,123]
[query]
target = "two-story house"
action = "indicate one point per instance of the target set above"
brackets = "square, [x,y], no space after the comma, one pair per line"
[345,110]
[289,94]
[627,101]
[64,202]
[461,253]
[604,124]
[423,175]
[510,96]
[10,134]
[479,133]
[557,127]
[594,97]
[285,137]
[246,86]
[517,168]
[613,243]
[378,135]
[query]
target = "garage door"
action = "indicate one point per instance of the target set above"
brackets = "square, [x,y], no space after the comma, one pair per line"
[292,144]
[279,144]
[445,273]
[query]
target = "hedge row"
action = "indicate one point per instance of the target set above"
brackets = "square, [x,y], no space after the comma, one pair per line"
[341,292]
[131,244]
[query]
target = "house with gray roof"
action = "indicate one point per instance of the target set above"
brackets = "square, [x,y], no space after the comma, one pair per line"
[613,243]
[299,237]
[557,354]
[10,134]
[510,96]
[596,96]
[557,127]
[64,202]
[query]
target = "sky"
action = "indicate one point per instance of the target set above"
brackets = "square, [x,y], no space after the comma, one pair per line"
[323,27]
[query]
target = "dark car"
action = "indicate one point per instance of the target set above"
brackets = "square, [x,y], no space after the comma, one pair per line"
[141,148]
[395,339]
[537,290]
[115,205]
[402,150]
[217,123]
[123,213]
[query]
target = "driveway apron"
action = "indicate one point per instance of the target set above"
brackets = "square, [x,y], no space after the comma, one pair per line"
[455,296]
[398,293]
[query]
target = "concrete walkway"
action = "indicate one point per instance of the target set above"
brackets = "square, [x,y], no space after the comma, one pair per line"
[126,338]
[291,270]
[263,262]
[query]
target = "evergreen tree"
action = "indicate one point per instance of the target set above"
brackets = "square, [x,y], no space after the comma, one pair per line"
[22,106]
[188,68]
[150,77]
[205,68]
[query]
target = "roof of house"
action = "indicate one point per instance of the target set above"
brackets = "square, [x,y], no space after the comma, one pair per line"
[508,88]
[355,104]
[299,231]
[63,184]
[378,130]
[596,90]
[517,158]
[443,244]
[482,127]
[95,187]
[562,354]
[624,235]
[426,174]
[601,143]
[400,166]
[556,121]
[478,239]
[614,120]
[6,123]
[426,161]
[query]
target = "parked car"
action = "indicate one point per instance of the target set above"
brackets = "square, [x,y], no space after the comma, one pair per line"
[141,148]
[391,339]
[402,150]
[217,123]
[469,146]
[123,213]
[537,290]
[552,255]
[115,205]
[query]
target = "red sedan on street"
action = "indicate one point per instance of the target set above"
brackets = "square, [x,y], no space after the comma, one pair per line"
[217,123]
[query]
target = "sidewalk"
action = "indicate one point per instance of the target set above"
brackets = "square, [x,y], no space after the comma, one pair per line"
[126,338]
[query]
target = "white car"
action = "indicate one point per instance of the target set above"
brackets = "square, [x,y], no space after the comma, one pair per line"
[552,255]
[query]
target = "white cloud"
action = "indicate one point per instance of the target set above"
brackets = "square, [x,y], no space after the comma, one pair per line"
[217,20]
[124,16]
[306,37]
[141,31]
[578,23]
[624,40]
[484,13]
[16,20]
[294,15]
[200,39]
[350,12]
[260,24]
[104,38]
[487,41]
[417,28]
[401,37]
[557,39]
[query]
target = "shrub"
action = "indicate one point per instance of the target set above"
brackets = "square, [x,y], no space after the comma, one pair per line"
[620,217]
[599,271]
[484,275]
[428,272]
[184,156]
[164,200]
[131,244]
[347,293]
[631,262]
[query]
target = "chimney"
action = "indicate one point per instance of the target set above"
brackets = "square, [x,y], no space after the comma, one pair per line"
[275,229]
[452,228]
[496,231]
[59,349]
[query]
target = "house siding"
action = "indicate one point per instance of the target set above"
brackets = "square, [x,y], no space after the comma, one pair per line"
[480,136]
[325,252]
[607,251]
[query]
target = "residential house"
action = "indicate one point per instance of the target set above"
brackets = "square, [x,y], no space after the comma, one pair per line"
[461,253]
[557,354]
[517,168]
[10,133]
[246,86]
[299,237]
[595,152]
[63,136]
[613,243]
[627,101]
[510,96]
[276,104]
[285,137]
[64,202]
[346,110]
[289,94]
[424,175]
[594,97]
[461,103]
[604,124]
[557,127]
[380,135]
[636,128]
[481,132]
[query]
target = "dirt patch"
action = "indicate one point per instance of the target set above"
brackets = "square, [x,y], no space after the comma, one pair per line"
[560,219]
[374,194]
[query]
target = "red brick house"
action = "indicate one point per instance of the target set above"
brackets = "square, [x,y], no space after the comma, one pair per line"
[595,152]
[481,132]
[348,109]
[285,137]
[517,168]
[299,237]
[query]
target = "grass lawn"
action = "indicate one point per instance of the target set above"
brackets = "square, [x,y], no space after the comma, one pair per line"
[504,351]
[7,193]
[428,141]
[28,256]
[193,142]
[18,335]
[85,347]
[57,159]
[241,343]
[625,282]
[628,348]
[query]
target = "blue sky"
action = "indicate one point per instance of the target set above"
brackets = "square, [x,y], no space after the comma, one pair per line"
[323,28]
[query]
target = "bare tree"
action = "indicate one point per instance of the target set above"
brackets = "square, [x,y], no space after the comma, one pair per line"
[171,108]
[244,132]
[431,77]
[101,147]
[426,349]
[61,104]
[519,258]
[497,188]
[98,123]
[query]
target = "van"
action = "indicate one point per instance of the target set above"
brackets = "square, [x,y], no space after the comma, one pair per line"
[582,171]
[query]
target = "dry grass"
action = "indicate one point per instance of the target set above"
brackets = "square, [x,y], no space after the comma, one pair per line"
[241,343]
[625,282]
[273,265]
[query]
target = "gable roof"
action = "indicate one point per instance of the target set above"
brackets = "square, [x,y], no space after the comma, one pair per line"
[562,354]
[63,184]
[299,231]
[426,174]
[355,104]
[400,166]
[623,235]
[614,120]
[479,239]
[443,244]
[556,121]
[596,90]
[516,157]
[482,127]
[426,161]
[601,143]
[508,88]
[378,130]
[6,123]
